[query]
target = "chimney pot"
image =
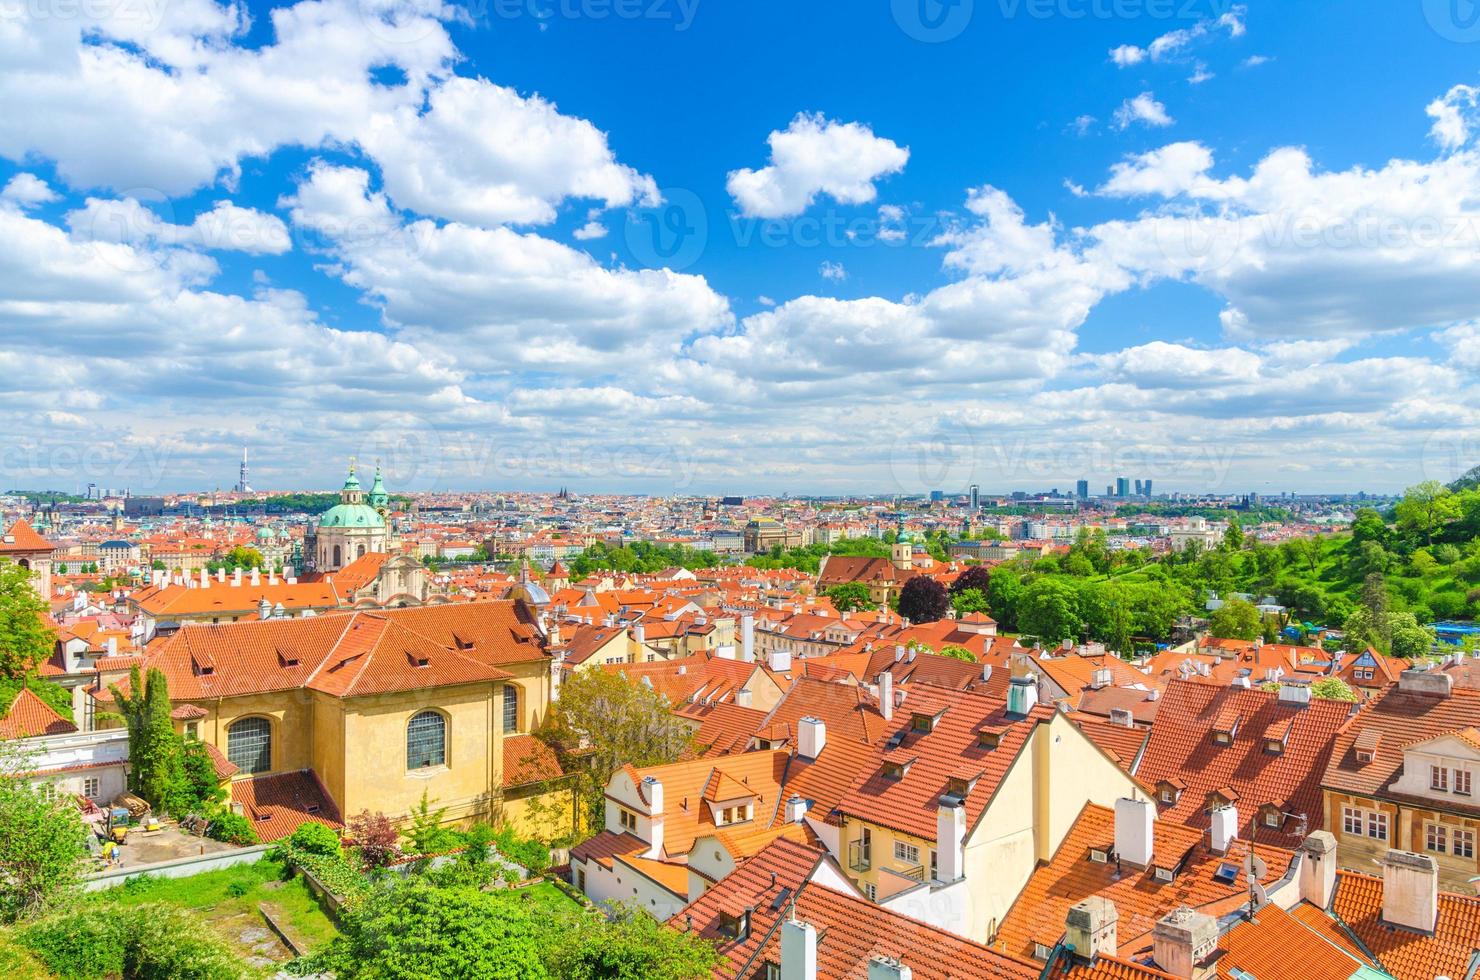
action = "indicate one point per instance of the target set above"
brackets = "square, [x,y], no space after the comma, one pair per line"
[1410,890]
[1091,928]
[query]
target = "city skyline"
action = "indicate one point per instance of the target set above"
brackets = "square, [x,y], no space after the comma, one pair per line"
[1046,246]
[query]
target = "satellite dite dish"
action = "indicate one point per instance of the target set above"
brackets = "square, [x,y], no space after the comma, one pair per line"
[1254,870]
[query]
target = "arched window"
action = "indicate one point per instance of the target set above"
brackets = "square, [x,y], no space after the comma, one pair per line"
[511,708]
[361,552]
[426,741]
[249,745]
[338,556]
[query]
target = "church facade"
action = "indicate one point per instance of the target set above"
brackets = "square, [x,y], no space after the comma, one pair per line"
[352,528]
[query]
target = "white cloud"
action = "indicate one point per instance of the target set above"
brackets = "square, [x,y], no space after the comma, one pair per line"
[1142,109]
[833,271]
[226,227]
[1455,115]
[1173,43]
[812,156]
[1170,170]
[27,191]
[1255,60]
[593,228]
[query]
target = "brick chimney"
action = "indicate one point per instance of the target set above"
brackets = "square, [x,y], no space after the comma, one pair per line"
[1090,928]
[1184,943]
[1410,891]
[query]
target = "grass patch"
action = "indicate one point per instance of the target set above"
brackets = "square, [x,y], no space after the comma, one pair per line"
[549,900]
[228,900]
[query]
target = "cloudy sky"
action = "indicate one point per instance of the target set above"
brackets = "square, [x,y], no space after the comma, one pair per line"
[761,246]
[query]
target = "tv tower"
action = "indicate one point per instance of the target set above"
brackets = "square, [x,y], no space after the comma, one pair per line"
[241,484]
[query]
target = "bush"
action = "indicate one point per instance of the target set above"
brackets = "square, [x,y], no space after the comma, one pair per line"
[143,941]
[233,828]
[315,838]
[375,837]
[331,870]
[529,853]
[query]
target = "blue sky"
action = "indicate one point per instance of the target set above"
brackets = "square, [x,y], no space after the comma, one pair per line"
[1226,246]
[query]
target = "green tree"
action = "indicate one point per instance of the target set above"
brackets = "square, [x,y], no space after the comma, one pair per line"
[415,931]
[1369,526]
[1426,508]
[155,768]
[1005,593]
[42,843]
[25,639]
[614,722]
[1233,538]
[1333,689]
[850,596]
[970,601]
[957,653]
[1410,639]
[1236,619]
[633,946]
[1049,610]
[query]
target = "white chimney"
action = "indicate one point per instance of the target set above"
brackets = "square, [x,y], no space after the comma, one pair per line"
[888,968]
[811,737]
[264,609]
[639,633]
[653,790]
[798,951]
[1091,927]
[986,672]
[221,574]
[781,660]
[1294,692]
[1100,678]
[898,652]
[112,646]
[1410,890]
[272,576]
[1318,869]
[886,695]
[950,839]
[205,579]
[1022,694]
[1183,940]
[1223,828]
[256,576]
[796,809]
[743,697]
[1134,831]
[747,652]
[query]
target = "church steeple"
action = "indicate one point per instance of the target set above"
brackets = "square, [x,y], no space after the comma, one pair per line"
[352,494]
[379,499]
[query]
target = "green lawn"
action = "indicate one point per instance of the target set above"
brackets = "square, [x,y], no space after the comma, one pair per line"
[229,901]
[549,900]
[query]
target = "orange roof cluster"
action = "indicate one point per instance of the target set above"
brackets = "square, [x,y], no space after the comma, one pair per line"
[1076,872]
[28,716]
[1450,951]
[1245,771]
[279,803]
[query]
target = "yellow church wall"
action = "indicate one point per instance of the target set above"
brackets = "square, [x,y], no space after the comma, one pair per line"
[375,773]
[546,816]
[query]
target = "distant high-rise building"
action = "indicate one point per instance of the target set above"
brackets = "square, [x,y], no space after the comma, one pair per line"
[1138,488]
[1122,486]
[1081,490]
[976,497]
[936,496]
[1109,490]
[1148,488]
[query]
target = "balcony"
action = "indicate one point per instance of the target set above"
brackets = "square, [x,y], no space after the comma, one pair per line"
[860,855]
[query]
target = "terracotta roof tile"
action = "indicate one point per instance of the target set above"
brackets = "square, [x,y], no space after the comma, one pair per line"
[1388,722]
[278,803]
[1408,955]
[527,759]
[28,716]
[22,537]
[1181,746]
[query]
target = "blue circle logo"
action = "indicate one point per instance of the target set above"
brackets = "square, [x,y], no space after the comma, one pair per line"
[1454,20]
[932,21]
[672,235]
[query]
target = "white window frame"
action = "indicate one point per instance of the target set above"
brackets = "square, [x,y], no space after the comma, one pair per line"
[1439,778]
[1462,782]
[907,853]
[1376,819]
[92,787]
[627,819]
[1435,838]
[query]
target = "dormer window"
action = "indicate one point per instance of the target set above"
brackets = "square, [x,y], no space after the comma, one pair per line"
[896,769]
[735,926]
[922,722]
[1273,817]
[1274,746]
[1439,779]
[961,786]
[989,738]
[1164,875]
[1365,747]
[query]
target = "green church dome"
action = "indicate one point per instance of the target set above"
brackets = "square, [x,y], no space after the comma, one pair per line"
[352,511]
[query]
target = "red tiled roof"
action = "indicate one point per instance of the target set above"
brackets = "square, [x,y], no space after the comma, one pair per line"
[1181,746]
[1405,954]
[22,538]
[527,759]
[910,803]
[29,716]
[277,804]
[1386,724]
[1037,916]
[774,885]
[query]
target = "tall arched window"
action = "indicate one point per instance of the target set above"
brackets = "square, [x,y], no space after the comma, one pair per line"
[361,552]
[249,745]
[511,708]
[338,557]
[426,741]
